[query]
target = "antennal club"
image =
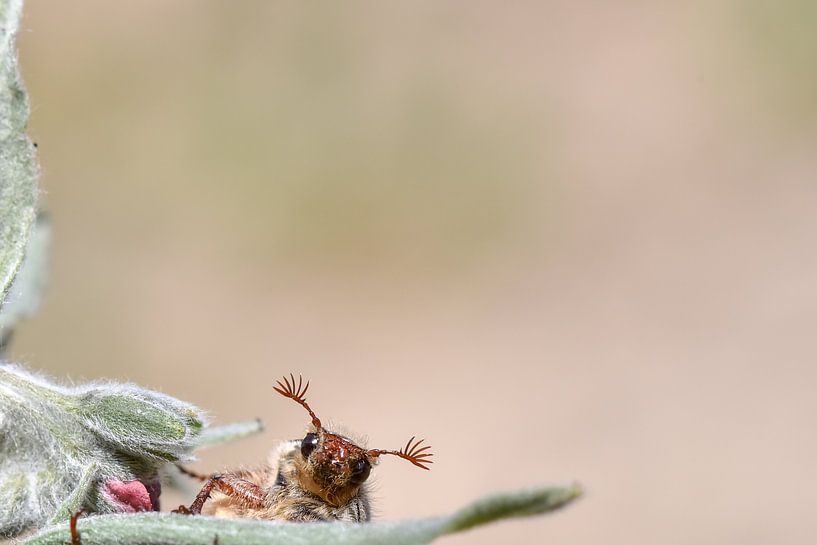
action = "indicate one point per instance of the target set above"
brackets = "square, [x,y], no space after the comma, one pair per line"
[288,389]
[413,453]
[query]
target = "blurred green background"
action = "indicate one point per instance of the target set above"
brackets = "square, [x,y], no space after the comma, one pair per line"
[559,240]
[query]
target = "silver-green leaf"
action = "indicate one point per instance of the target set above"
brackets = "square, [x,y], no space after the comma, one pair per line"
[26,292]
[168,529]
[217,435]
[18,164]
[61,446]
[76,500]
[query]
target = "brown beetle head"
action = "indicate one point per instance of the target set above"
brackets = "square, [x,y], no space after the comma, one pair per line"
[331,465]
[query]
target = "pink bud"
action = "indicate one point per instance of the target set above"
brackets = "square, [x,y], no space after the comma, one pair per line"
[132,496]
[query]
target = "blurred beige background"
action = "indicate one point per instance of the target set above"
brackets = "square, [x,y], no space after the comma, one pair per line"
[560,241]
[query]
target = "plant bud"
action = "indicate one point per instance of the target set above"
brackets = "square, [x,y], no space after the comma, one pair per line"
[98,446]
[140,422]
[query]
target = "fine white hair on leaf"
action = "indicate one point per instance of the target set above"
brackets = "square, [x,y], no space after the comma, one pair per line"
[18,164]
[52,434]
[180,530]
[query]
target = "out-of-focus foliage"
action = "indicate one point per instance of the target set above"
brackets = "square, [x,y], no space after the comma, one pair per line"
[779,47]
[26,292]
[18,166]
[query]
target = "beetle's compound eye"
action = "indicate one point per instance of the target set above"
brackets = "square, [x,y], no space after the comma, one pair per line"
[308,444]
[360,471]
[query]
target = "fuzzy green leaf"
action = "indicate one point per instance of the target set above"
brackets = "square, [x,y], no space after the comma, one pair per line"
[26,291]
[217,435]
[51,434]
[18,165]
[76,500]
[140,421]
[163,528]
